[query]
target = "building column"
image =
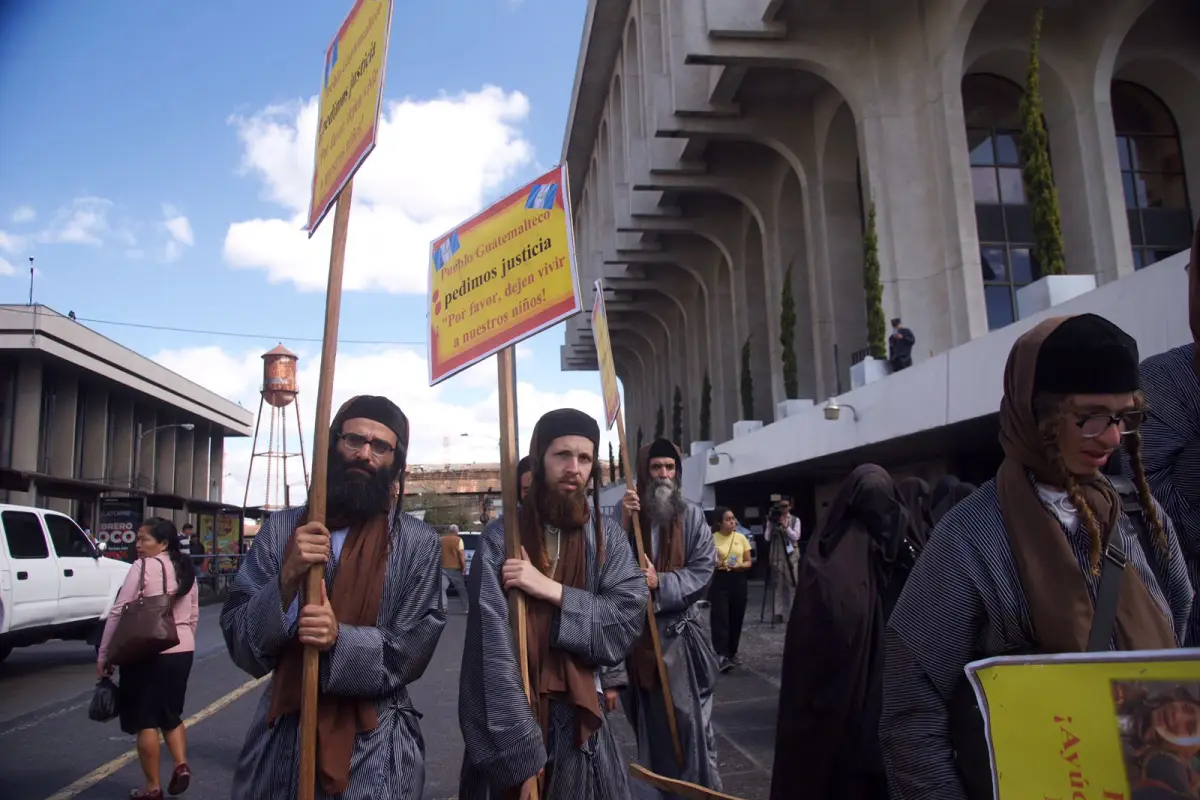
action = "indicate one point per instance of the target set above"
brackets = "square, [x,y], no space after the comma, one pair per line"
[27,422]
[200,462]
[95,436]
[164,470]
[216,466]
[62,427]
[184,445]
[120,459]
[144,442]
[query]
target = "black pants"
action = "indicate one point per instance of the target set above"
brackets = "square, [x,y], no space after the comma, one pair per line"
[728,597]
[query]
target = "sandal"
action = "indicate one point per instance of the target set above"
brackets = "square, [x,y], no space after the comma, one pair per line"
[153,794]
[181,778]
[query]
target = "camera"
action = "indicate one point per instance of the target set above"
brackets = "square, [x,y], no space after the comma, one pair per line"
[776,513]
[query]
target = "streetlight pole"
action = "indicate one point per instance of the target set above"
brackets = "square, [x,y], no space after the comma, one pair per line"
[137,447]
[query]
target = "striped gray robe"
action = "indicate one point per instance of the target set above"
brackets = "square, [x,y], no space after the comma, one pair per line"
[503,742]
[376,662]
[1171,453]
[963,602]
[691,666]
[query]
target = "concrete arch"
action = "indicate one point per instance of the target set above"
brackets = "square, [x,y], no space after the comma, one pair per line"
[791,230]
[617,115]
[632,61]
[842,206]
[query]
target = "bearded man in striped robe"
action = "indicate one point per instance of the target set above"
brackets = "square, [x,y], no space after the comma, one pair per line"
[376,623]
[586,605]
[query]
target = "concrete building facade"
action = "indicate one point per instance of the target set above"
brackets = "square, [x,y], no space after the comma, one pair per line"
[82,416]
[720,147]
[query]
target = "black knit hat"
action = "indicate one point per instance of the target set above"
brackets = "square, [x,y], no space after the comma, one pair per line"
[523,466]
[1087,354]
[564,422]
[662,448]
[379,409]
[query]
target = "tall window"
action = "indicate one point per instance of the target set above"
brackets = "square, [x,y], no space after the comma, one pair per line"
[992,107]
[1156,199]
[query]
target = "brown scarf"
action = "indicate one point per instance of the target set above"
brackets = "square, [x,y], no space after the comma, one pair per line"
[1194,295]
[356,596]
[1055,589]
[643,666]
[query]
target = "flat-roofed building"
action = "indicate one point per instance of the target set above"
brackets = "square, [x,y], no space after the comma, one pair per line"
[83,417]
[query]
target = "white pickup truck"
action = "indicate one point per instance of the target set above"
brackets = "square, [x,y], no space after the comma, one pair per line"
[54,582]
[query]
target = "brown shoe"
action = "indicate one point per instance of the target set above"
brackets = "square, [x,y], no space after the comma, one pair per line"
[181,778]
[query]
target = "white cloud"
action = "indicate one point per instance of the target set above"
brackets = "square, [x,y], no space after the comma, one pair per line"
[179,231]
[24,214]
[467,403]
[83,221]
[6,268]
[437,162]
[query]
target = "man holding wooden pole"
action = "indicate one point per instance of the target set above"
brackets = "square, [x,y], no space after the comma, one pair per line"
[586,605]
[680,559]
[376,622]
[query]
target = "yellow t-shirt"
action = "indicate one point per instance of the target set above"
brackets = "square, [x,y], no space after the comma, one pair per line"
[731,544]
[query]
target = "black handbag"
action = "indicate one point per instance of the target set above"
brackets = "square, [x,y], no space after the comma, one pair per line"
[105,701]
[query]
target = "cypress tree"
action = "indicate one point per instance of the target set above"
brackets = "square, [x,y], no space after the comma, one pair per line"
[660,425]
[747,383]
[873,290]
[787,338]
[621,457]
[639,439]
[677,418]
[612,465]
[1035,168]
[706,409]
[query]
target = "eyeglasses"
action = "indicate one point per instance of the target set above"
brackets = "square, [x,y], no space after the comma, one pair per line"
[1093,425]
[355,442]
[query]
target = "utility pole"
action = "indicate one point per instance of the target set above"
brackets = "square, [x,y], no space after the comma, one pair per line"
[31,280]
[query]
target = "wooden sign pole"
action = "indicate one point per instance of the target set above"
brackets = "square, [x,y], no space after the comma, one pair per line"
[506,373]
[650,617]
[317,493]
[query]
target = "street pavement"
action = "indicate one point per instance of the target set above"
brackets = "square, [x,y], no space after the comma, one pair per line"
[50,749]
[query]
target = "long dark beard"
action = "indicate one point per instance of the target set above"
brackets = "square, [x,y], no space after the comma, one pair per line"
[565,511]
[354,497]
[664,502]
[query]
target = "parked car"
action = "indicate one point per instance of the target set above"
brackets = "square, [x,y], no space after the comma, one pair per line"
[54,582]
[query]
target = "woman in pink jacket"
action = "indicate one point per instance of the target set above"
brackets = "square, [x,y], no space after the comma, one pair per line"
[152,691]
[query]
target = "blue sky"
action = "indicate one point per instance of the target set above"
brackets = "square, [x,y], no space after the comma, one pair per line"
[156,155]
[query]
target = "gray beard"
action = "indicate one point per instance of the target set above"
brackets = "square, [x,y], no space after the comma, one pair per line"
[665,503]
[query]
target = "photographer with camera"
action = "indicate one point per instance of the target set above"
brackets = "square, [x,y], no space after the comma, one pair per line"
[783,554]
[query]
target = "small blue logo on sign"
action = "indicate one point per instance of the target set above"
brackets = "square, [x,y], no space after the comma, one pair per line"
[541,196]
[330,62]
[445,251]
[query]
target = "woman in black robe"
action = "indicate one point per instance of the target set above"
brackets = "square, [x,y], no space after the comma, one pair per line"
[917,502]
[826,737]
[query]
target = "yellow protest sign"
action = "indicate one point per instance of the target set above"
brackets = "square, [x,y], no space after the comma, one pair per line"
[1108,726]
[604,357]
[350,103]
[502,276]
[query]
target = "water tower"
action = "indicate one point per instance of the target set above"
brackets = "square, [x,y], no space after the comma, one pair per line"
[279,393]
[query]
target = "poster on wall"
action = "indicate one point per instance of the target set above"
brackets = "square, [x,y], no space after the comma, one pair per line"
[119,520]
[229,541]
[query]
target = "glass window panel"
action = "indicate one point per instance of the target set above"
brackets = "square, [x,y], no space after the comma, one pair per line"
[1012,188]
[1020,224]
[999,305]
[1154,256]
[1165,230]
[1139,189]
[1156,153]
[1007,153]
[1138,263]
[1164,191]
[979,142]
[1127,181]
[983,185]
[1123,152]
[1024,266]
[989,221]
[992,260]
